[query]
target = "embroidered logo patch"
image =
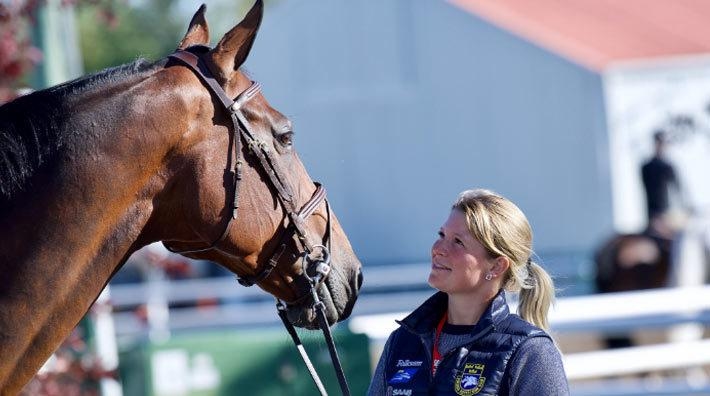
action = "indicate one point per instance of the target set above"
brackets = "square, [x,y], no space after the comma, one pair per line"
[470,381]
[403,375]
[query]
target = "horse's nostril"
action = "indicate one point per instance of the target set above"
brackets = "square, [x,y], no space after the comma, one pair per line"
[359,279]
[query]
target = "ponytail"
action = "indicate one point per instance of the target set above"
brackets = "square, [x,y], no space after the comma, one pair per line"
[536,295]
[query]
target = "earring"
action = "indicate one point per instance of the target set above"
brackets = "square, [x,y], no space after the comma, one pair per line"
[489,276]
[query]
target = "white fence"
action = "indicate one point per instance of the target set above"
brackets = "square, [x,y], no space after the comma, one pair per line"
[400,288]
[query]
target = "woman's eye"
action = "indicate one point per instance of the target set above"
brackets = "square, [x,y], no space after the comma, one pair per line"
[458,241]
[440,234]
[286,138]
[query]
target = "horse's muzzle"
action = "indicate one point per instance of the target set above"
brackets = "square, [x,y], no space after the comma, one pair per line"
[338,300]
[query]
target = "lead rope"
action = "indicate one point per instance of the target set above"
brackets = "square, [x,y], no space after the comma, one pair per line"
[281,308]
[319,308]
[320,313]
[322,270]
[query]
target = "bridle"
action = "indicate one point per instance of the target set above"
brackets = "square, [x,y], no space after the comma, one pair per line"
[312,255]
[241,128]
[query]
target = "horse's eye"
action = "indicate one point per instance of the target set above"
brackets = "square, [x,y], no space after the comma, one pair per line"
[286,138]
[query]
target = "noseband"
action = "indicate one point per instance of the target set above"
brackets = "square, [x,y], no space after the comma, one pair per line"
[311,254]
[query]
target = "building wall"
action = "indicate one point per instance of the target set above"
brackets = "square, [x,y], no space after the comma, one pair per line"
[399,106]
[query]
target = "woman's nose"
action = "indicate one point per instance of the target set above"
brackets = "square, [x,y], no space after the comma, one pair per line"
[437,248]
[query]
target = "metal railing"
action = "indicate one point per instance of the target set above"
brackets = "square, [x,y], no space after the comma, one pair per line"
[390,292]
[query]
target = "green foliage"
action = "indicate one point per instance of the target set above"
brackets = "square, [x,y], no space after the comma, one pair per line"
[149,29]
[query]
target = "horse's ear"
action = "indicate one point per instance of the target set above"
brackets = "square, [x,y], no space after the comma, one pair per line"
[198,33]
[233,49]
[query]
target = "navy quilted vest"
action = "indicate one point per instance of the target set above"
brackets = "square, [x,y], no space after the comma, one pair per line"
[475,368]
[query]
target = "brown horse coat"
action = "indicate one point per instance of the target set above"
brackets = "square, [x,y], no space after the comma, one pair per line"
[92,170]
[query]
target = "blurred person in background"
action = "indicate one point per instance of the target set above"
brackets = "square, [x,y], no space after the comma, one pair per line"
[463,340]
[661,184]
[642,261]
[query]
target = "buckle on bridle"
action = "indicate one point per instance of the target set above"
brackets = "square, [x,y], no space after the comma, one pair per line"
[320,256]
[245,96]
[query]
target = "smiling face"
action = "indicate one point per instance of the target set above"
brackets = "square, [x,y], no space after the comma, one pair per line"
[459,263]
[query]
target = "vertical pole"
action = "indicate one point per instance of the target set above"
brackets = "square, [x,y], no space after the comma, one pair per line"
[104,342]
[55,34]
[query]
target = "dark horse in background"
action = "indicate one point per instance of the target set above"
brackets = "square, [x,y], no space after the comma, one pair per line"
[94,169]
[669,253]
[633,262]
[628,262]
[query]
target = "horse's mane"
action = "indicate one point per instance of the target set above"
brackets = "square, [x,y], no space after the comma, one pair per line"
[34,127]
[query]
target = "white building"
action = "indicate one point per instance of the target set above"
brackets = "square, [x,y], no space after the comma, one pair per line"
[399,105]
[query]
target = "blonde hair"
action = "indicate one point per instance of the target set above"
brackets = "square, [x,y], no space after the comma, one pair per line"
[503,230]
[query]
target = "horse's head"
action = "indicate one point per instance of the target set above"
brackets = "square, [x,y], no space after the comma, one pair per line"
[283,227]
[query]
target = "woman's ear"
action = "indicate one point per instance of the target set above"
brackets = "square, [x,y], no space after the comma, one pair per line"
[500,266]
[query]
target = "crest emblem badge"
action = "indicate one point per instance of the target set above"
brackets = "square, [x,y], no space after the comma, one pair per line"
[470,381]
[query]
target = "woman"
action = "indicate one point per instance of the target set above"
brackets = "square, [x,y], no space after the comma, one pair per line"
[463,340]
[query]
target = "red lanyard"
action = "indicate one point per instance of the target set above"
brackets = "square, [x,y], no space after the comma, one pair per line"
[436,356]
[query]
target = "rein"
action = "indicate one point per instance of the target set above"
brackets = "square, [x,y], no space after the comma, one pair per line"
[296,229]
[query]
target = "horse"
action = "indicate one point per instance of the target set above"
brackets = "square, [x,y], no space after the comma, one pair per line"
[96,168]
[628,262]
[673,251]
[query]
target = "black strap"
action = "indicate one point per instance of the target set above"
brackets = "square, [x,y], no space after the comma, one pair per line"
[248,281]
[323,323]
[281,308]
[320,313]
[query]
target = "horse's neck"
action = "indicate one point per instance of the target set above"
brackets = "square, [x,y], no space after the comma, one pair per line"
[80,220]
[59,249]
[51,271]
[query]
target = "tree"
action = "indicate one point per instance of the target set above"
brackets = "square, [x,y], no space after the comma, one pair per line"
[149,29]
[111,32]
[17,54]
